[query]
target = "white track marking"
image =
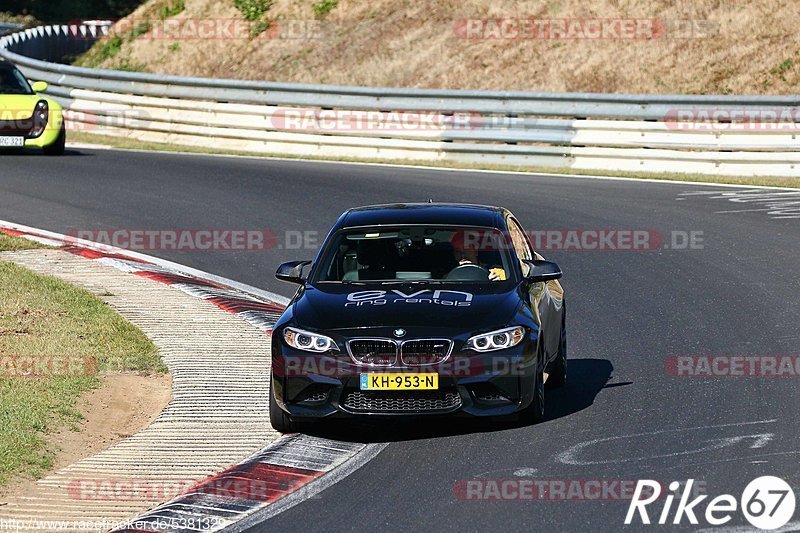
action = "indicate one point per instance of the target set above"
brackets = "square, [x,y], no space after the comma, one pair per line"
[569,456]
[780,204]
[791,526]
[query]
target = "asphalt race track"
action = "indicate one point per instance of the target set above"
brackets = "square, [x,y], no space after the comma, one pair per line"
[621,417]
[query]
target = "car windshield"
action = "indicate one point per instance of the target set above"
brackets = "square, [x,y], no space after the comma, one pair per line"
[411,253]
[13,82]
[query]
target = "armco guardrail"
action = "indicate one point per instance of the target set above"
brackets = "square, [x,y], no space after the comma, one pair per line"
[749,135]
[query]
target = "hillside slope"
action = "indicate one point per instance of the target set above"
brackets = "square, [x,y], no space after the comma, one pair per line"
[705,46]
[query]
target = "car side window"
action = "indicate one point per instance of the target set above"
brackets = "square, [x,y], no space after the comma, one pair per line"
[520,244]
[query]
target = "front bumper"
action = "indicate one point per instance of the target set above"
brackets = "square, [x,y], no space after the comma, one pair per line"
[23,128]
[471,384]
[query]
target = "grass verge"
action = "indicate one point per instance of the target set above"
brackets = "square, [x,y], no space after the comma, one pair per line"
[45,322]
[132,144]
[14,244]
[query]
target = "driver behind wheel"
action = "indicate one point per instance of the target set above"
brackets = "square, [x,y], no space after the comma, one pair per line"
[465,252]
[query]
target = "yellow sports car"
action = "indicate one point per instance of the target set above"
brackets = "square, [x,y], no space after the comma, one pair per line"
[27,119]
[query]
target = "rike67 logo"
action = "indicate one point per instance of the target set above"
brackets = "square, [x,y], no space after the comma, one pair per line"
[767,502]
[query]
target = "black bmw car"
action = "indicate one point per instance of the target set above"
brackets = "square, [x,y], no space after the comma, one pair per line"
[419,309]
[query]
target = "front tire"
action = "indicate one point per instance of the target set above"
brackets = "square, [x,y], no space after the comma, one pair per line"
[60,144]
[280,420]
[558,374]
[535,411]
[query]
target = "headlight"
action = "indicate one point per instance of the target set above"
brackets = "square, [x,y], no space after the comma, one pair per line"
[497,340]
[40,116]
[307,341]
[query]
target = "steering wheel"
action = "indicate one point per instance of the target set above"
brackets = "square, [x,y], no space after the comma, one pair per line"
[468,272]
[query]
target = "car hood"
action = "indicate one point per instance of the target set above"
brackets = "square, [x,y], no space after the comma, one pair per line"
[459,306]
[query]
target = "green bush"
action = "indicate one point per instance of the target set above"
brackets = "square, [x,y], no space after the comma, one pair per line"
[253,9]
[258,27]
[323,7]
[170,9]
[129,66]
[109,48]
[141,28]
[781,69]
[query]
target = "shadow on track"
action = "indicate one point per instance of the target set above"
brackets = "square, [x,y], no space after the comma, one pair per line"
[587,377]
[69,152]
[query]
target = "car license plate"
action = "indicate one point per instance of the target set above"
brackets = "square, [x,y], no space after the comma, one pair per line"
[399,381]
[16,142]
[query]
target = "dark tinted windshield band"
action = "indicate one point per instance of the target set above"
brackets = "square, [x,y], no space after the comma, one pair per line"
[416,253]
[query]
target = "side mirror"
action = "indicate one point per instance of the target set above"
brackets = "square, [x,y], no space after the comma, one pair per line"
[541,270]
[292,272]
[39,86]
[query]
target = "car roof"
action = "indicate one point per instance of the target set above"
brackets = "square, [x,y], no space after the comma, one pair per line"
[423,213]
